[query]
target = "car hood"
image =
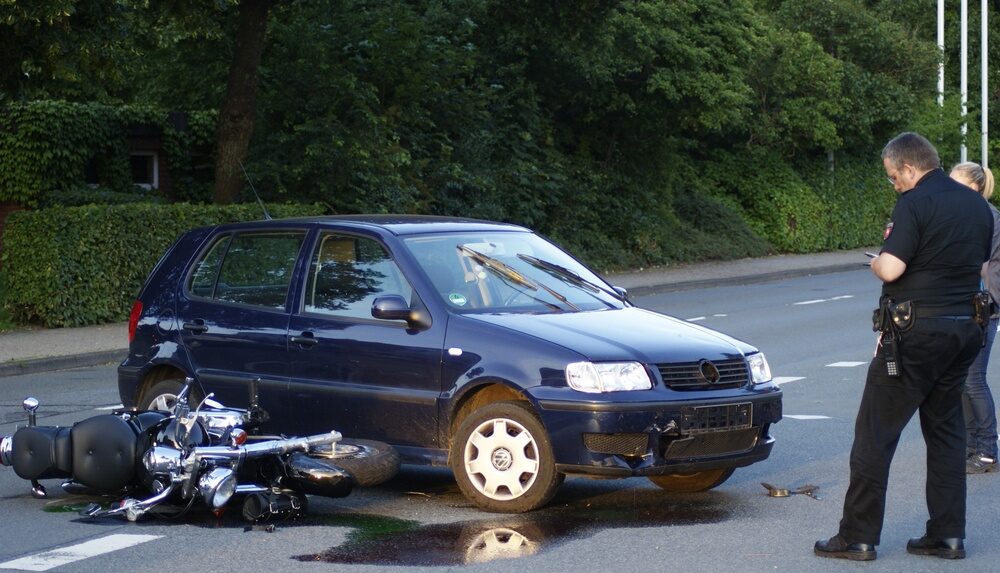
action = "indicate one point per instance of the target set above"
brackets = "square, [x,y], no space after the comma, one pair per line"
[624,334]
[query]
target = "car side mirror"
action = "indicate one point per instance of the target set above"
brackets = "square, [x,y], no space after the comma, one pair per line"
[395,307]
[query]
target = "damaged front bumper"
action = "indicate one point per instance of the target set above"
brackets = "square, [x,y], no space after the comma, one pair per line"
[642,439]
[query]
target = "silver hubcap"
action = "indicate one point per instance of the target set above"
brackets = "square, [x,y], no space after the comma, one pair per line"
[163,402]
[501,459]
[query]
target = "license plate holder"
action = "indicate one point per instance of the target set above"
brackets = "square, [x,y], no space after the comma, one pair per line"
[723,418]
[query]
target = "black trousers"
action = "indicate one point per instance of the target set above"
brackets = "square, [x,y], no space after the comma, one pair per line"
[934,358]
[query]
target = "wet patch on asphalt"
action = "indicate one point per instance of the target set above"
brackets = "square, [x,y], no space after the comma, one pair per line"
[380,540]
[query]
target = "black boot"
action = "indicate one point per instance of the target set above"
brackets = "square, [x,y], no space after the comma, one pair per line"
[950,548]
[838,548]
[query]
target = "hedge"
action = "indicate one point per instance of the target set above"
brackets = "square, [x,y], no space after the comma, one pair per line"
[74,266]
[45,147]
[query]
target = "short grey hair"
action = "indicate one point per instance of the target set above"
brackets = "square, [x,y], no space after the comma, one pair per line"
[911,148]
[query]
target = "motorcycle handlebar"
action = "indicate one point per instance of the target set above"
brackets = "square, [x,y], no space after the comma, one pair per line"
[267,448]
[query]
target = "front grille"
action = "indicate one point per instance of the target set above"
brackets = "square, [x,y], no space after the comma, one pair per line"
[712,444]
[618,444]
[688,375]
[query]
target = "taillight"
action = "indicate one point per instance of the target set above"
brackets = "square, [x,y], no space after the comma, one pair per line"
[133,320]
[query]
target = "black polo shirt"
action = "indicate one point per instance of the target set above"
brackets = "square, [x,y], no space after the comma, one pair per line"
[942,230]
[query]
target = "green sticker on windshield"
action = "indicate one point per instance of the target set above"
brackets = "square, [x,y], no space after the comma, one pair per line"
[457,299]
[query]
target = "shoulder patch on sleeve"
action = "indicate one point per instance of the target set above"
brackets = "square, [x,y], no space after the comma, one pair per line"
[887,231]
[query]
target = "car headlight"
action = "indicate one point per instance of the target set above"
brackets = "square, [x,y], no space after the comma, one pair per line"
[760,372]
[607,376]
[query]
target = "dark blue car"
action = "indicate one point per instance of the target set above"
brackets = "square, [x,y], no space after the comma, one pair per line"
[466,343]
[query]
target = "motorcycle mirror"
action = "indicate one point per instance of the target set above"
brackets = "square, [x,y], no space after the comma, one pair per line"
[30,406]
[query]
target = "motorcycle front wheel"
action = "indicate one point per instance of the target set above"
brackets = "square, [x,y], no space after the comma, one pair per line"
[368,461]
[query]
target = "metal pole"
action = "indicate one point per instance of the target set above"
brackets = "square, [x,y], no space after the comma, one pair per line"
[964,84]
[984,93]
[940,40]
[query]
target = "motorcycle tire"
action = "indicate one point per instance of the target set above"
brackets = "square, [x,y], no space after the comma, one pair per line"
[368,461]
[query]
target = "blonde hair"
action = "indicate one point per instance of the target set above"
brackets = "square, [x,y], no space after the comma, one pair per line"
[981,176]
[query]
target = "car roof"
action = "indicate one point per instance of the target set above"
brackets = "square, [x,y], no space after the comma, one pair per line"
[394,224]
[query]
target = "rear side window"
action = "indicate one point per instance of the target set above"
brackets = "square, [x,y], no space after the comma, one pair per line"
[347,275]
[249,268]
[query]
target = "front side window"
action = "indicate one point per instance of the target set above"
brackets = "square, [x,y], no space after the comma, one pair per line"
[348,273]
[249,268]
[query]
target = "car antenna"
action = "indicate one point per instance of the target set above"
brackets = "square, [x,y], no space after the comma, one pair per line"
[267,216]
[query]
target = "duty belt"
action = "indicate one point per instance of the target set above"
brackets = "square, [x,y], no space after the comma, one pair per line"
[892,318]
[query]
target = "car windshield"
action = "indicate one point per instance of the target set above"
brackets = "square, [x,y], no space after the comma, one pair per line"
[508,272]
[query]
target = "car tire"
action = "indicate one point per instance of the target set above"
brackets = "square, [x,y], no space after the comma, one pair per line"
[368,461]
[163,395]
[502,459]
[693,482]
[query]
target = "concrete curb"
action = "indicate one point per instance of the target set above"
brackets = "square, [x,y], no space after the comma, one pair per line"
[36,365]
[739,280]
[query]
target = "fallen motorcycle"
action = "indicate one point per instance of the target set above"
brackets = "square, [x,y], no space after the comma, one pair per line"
[163,463]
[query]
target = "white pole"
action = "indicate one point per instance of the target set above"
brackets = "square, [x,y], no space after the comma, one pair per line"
[940,40]
[983,91]
[963,153]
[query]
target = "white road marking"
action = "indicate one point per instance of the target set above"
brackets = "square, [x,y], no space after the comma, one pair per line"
[58,557]
[724,315]
[694,319]
[806,417]
[115,407]
[779,380]
[845,364]
[819,300]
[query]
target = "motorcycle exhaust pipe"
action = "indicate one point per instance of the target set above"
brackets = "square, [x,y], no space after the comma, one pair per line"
[7,451]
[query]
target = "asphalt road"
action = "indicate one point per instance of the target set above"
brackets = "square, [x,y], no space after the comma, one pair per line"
[816,335]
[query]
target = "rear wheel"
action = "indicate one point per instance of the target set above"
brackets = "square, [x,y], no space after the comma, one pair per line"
[502,459]
[693,482]
[163,395]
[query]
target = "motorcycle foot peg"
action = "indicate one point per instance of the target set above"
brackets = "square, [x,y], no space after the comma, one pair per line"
[38,490]
[90,510]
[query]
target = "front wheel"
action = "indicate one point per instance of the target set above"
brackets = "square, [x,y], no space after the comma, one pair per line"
[502,459]
[693,482]
[368,461]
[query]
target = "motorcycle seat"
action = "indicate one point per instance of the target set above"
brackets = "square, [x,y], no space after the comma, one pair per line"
[104,452]
[42,452]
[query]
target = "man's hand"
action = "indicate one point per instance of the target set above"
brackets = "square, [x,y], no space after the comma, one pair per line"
[888,267]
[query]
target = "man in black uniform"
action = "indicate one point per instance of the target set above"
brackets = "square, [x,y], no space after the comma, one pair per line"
[931,261]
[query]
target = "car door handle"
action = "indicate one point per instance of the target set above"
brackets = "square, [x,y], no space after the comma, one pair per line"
[196,326]
[305,339]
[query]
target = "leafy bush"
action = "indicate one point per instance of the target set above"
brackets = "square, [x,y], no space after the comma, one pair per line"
[45,147]
[84,195]
[72,266]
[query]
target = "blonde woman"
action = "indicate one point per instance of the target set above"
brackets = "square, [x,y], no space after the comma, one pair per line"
[977,400]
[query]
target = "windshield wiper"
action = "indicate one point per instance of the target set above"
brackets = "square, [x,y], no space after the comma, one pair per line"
[508,272]
[571,277]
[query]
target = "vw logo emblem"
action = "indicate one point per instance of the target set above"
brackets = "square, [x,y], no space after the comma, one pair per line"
[501,458]
[709,372]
